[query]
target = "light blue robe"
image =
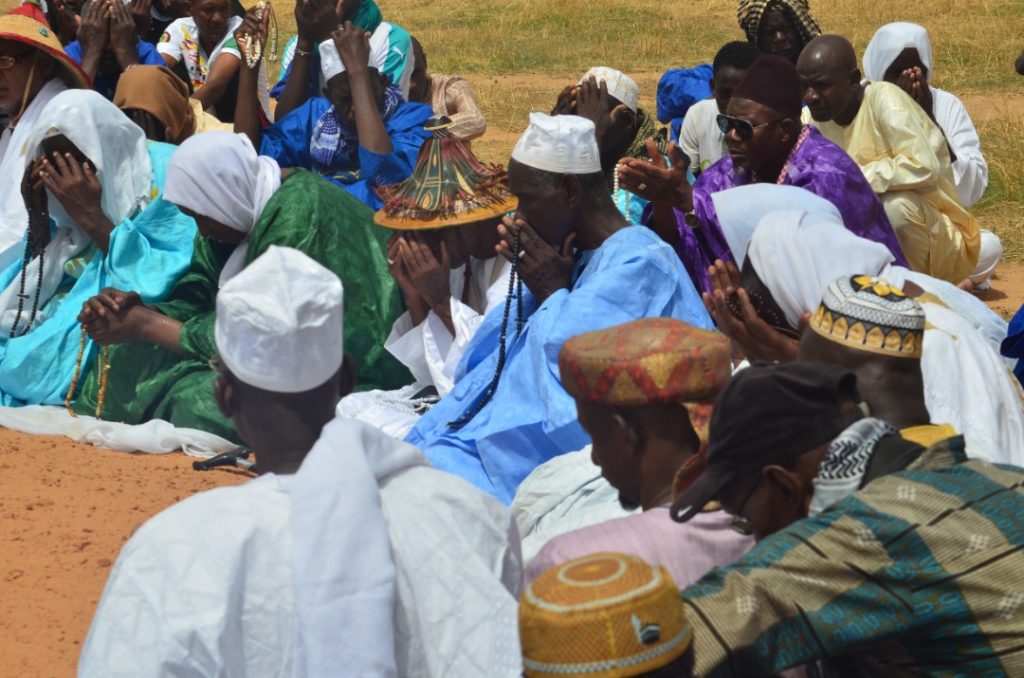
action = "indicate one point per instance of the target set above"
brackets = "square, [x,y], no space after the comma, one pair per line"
[531,418]
[147,254]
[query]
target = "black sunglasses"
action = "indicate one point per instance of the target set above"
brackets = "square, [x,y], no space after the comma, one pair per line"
[743,128]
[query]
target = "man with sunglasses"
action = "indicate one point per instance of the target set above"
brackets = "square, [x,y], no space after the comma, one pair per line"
[767,144]
[875,555]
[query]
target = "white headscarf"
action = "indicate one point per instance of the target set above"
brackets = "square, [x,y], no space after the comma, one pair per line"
[219,175]
[116,147]
[887,44]
[966,384]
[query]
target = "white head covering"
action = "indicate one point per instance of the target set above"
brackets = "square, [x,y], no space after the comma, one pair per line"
[563,144]
[330,59]
[279,323]
[797,254]
[887,44]
[116,148]
[740,209]
[620,85]
[220,176]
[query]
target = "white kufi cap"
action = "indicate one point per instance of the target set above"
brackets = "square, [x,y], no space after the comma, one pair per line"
[619,85]
[279,323]
[564,144]
[330,60]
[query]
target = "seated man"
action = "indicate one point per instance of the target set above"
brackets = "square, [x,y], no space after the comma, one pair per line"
[611,100]
[779,27]
[700,137]
[157,101]
[243,203]
[901,152]
[348,556]
[767,144]
[442,255]
[361,136]
[643,392]
[204,45]
[610,614]
[876,556]
[901,53]
[97,216]
[575,255]
[873,329]
[793,258]
[34,70]
[449,95]
[315,21]
[108,44]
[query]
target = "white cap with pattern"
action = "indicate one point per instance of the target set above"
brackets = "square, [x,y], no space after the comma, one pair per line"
[330,60]
[279,323]
[563,144]
[620,85]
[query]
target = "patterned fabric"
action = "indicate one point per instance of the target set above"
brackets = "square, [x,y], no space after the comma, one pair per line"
[750,13]
[448,187]
[452,96]
[869,314]
[846,462]
[602,616]
[645,362]
[333,139]
[919,573]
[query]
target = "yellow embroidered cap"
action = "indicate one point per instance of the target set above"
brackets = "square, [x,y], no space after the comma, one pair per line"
[608,615]
[869,314]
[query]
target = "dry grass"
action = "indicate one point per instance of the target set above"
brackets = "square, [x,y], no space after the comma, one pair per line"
[518,54]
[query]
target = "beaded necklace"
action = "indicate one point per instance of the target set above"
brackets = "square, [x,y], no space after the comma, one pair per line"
[804,133]
[103,367]
[624,208]
[515,290]
[35,244]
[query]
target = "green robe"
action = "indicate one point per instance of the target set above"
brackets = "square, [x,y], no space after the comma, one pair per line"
[307,213]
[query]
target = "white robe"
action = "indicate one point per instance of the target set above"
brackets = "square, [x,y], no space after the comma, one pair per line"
[14,157]
[429,350]
[205,587]
[970,169]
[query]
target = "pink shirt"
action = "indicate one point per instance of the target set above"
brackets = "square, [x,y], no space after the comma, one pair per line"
[688,550]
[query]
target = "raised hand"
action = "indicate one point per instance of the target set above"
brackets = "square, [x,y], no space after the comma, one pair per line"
[543,268]
[80,193]
[141,15]
[353,45]
[113,317]
[94,34]
[428,274]
[315,20]
[655,181]
[253,29]
[124,37]
[566,103]
[592,102]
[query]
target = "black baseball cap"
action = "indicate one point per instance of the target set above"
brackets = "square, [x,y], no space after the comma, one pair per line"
[770,414]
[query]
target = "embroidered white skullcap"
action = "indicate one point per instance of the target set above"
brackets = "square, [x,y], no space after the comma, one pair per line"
[564,144]
[332,65]
[279,322]
[620,85]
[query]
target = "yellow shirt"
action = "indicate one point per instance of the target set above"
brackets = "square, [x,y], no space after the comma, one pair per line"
[206,122]
[904,157]
[928,435]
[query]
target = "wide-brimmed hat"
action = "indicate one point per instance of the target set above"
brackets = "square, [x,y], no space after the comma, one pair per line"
[448,187]
[27,24]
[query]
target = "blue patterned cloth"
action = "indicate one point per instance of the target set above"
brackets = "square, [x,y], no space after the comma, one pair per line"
[333,140]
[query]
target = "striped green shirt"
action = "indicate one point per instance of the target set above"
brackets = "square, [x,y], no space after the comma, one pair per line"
[920,572]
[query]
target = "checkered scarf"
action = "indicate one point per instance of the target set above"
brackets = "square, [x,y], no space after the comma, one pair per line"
[333,141]
[846,462]
[751,12]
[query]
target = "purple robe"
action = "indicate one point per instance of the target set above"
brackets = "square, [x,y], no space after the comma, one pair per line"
[819,166]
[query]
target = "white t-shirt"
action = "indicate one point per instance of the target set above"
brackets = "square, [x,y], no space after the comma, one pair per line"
[181,41]
[700,138]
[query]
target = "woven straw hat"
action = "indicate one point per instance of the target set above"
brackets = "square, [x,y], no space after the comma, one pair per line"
[27,24]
